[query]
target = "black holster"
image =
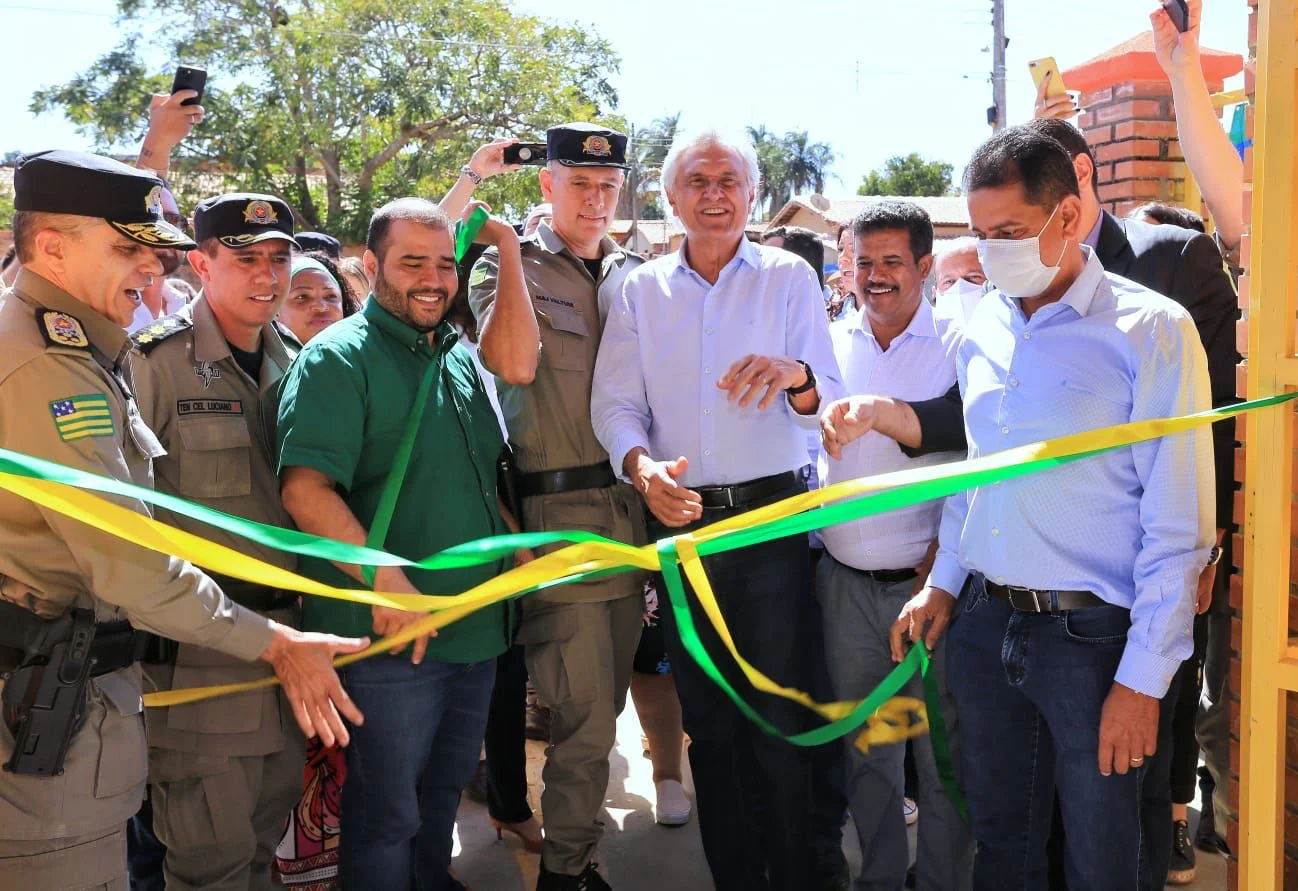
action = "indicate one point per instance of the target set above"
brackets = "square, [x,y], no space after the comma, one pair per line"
[45,695]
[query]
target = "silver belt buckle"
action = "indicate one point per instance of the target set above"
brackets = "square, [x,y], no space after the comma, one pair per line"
[1036,600]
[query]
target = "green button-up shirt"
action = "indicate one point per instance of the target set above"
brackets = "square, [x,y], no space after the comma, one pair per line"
[343,409]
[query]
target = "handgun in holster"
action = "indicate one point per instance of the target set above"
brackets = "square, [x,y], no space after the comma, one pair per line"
[45,690]
[47,666]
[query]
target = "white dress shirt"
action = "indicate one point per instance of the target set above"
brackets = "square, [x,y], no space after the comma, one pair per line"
[672,334]
[917,365]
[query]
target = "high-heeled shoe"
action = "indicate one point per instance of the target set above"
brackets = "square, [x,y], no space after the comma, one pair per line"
[528,832]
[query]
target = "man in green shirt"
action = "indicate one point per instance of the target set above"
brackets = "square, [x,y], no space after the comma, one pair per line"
[344,408]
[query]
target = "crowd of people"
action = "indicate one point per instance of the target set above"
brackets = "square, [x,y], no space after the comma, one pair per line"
[412,399]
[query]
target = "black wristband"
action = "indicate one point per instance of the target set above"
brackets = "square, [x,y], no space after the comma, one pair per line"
[810,383]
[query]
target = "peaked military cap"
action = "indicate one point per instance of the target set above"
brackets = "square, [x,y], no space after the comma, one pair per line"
[586,145]
[243,218]
[86,185]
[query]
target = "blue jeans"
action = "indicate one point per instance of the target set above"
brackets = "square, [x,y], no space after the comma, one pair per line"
[144,853]
[406,765]
[1029,688]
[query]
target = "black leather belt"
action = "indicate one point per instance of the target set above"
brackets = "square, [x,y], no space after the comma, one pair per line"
[1030,600]
[742,494]
[890,576]
[568,479]
[254,597]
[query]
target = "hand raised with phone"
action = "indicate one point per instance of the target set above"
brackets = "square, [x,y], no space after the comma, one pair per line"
[1176,34]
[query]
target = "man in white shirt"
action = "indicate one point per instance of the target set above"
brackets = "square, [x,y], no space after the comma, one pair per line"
[874,565]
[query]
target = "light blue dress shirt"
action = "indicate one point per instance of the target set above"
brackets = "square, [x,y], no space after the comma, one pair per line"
[672,335]
[1134,525]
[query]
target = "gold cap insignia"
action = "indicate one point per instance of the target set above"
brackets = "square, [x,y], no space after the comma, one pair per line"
[597,145]
[64,330]
[260,213]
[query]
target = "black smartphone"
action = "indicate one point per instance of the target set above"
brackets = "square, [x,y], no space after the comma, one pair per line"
[188,78]
[1179,12]
[526,153]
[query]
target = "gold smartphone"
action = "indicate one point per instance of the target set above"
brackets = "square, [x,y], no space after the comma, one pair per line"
[1040,68]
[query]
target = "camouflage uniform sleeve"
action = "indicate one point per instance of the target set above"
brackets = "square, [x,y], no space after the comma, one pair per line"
[159,593]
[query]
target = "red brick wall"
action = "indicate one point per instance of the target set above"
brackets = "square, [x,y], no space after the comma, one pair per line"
[1131,129]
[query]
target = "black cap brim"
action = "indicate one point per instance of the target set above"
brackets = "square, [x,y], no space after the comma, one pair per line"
[244,239]
[155,234]
[592,164]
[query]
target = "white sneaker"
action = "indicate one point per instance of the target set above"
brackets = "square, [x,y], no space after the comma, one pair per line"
[673,807]
[909,810]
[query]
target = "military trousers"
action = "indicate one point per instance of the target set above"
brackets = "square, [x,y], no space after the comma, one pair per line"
[221,818]
[94,862]
[579,656]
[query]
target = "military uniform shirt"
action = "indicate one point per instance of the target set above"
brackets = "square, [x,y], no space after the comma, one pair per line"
[549,419]
[344,407]
[64,398]
[207,412]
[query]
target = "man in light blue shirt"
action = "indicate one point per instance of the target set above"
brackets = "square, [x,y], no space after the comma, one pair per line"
[713,365]
[874,565]
[1078,582]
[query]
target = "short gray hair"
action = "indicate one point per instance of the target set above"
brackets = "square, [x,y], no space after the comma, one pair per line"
[27,223]
[955,245]
[683,145]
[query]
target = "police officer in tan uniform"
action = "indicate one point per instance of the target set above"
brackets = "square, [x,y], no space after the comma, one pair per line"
[579,639]
[225,772]
[85,229]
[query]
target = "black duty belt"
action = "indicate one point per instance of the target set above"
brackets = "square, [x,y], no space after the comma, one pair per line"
[568,479]
[889,576]
[744,494]
[254,597]
[1031,600]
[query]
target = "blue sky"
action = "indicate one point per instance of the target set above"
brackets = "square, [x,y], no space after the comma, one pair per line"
[872,79]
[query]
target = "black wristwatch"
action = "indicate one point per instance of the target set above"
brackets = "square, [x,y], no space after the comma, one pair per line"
[809,385]
[1214,556]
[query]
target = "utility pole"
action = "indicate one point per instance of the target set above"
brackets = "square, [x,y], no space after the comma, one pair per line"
[996,115]
[633,185]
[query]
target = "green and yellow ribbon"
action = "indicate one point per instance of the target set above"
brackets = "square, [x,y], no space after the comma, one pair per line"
[80,495]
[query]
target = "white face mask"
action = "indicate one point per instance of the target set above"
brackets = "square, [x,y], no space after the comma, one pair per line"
[1015,266]
[960,299]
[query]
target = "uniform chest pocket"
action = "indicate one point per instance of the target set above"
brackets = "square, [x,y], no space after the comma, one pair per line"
[216,458]
[565,339]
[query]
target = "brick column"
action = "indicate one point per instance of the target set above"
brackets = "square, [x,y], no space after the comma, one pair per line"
[1130,123]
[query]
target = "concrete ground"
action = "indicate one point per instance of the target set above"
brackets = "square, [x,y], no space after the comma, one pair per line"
[637,854]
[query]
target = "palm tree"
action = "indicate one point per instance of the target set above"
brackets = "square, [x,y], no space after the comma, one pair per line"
[773,189]
[649,151]
[807,162]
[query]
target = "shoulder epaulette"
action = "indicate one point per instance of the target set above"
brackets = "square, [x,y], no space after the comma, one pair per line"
[62,330]
[150,336]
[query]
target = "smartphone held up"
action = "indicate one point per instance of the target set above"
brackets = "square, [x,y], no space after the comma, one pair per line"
[1179,12]
[189,78]
[526,153]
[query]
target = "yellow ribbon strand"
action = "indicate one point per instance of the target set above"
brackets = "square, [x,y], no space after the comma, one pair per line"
[144,531]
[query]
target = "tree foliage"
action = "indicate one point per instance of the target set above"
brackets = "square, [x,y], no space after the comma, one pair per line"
[340,104]
[788,164]
[908,175]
